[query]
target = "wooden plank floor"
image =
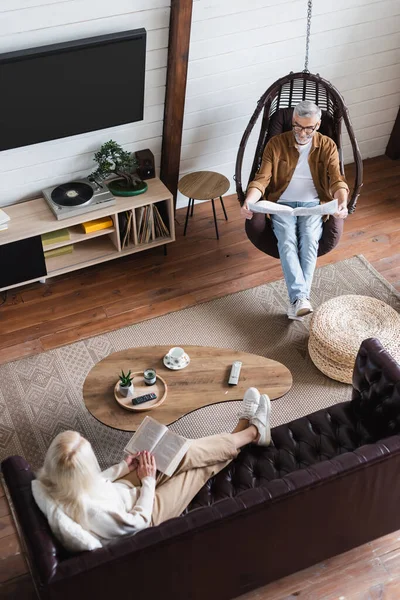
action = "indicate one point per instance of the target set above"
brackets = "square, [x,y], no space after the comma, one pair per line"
[199,268]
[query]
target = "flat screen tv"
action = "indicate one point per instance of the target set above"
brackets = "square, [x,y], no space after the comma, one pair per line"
[60,90]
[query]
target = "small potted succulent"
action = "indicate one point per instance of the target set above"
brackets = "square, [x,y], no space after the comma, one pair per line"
[112,159]
[125,383]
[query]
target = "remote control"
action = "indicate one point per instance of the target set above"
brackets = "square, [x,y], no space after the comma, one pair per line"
[235,372]
[145,398]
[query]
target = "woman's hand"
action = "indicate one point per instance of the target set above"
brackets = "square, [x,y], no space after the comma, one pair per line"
[147,465]
[245,212]
[132,461]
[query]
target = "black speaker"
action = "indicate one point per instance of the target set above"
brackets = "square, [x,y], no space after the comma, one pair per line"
[146,168]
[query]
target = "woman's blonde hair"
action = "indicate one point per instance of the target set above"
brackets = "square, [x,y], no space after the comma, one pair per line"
[70,471]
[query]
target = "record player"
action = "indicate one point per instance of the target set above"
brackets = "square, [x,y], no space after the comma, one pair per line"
[77,197]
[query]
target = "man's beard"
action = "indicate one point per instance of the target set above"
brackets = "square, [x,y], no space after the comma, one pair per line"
[302,141]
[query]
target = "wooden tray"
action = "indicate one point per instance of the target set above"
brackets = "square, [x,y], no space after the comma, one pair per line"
[140,388]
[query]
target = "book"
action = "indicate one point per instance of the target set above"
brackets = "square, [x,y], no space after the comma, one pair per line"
[59,251]
[161,230]
[126,237]
[4,218]
[52,237]
[4,227]
[167,447]
[274,208]
[97,224]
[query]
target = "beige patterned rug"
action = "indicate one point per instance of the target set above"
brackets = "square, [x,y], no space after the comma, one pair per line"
[42,395]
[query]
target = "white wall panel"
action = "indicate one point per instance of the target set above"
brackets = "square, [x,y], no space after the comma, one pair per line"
[237,50]
[29,23]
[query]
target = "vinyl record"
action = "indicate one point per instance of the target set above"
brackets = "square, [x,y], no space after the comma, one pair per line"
[72,194]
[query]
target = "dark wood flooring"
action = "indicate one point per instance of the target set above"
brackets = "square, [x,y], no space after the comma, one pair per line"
[199,268]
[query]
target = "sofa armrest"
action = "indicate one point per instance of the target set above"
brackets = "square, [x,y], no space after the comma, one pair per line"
[376,390]
[43,549]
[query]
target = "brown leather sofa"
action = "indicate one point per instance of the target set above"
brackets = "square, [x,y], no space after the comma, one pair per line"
[328,482]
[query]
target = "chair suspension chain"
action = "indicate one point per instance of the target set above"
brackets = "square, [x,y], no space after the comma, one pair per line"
[309,12]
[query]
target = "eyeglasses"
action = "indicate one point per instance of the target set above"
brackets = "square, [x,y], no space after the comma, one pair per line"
[308,130]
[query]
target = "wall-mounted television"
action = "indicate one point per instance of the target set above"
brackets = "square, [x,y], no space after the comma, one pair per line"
[59,90]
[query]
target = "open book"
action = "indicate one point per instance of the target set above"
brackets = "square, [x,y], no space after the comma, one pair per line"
[274,208]
[167,447]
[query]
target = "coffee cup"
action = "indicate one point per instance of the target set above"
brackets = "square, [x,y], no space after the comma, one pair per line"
[176,355]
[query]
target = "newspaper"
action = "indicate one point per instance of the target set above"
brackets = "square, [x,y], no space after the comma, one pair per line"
[275,208]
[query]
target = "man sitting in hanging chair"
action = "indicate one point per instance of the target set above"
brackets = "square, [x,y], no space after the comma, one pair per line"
[300,168]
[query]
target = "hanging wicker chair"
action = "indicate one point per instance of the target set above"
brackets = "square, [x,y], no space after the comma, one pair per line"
[277,105]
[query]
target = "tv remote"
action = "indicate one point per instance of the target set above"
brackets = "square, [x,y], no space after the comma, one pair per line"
[144,398]
[235,372]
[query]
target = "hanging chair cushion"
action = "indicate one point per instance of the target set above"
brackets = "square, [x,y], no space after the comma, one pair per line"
[281,121]
[260,233]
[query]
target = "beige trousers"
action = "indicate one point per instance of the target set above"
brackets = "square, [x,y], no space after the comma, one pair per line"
[205,458]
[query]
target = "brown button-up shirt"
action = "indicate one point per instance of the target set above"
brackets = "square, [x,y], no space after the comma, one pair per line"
[280,159]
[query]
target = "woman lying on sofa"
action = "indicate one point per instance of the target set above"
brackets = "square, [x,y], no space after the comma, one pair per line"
[87,508]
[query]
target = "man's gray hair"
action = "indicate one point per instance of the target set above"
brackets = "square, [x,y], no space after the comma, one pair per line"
[307,109]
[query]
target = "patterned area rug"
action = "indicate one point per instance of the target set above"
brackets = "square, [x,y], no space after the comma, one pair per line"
[42,395]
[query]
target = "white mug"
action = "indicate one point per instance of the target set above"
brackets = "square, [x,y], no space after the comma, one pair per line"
[176,355]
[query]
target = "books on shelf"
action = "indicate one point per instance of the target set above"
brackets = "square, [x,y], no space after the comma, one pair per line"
[127,231]
[167,447]
[145,220]
[97,224]
[59,251]
[161,230]
[149,221]
[52,237]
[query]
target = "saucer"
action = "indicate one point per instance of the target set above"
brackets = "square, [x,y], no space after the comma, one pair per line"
[170,365]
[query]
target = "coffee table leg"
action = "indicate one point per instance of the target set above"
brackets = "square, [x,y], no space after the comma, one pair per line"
[187,216]
[223,208]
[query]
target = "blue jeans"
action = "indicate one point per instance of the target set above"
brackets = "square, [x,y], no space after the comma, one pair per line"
[298,239]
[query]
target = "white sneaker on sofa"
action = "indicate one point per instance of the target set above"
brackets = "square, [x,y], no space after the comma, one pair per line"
[261,421]
[250,402]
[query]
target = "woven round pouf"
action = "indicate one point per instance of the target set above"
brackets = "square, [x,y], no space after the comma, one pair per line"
[339,326]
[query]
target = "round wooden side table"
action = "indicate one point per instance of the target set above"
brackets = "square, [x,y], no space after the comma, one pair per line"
[204,185]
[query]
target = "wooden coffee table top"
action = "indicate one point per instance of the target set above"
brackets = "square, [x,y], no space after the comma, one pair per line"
[204,381]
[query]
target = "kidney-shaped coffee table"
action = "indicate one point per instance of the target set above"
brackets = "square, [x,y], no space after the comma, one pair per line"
[204,381]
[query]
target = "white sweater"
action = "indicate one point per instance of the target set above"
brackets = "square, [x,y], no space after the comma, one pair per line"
[118,509]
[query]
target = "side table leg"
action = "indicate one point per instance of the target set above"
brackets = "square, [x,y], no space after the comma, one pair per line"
[223,208]
[187,216]
[215,218]
[191,213]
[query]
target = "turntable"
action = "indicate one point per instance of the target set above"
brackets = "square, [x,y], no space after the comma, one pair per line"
[77,197]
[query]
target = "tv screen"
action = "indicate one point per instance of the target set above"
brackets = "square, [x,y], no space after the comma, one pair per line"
[64,89]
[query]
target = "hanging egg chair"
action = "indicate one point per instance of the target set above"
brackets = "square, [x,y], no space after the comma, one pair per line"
[277,105]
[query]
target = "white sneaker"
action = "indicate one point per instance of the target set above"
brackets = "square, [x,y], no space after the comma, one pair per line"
[261,421]
[250,402]
[303,307]
[291,313]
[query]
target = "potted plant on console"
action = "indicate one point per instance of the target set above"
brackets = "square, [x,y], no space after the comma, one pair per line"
[125,384]
[112,159]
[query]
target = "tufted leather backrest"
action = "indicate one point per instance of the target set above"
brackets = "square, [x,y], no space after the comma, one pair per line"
[376,390]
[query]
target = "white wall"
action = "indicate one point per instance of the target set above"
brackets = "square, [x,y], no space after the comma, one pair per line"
[237,50]
[28,23]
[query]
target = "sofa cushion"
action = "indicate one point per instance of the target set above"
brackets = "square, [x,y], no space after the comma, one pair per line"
[296,445]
